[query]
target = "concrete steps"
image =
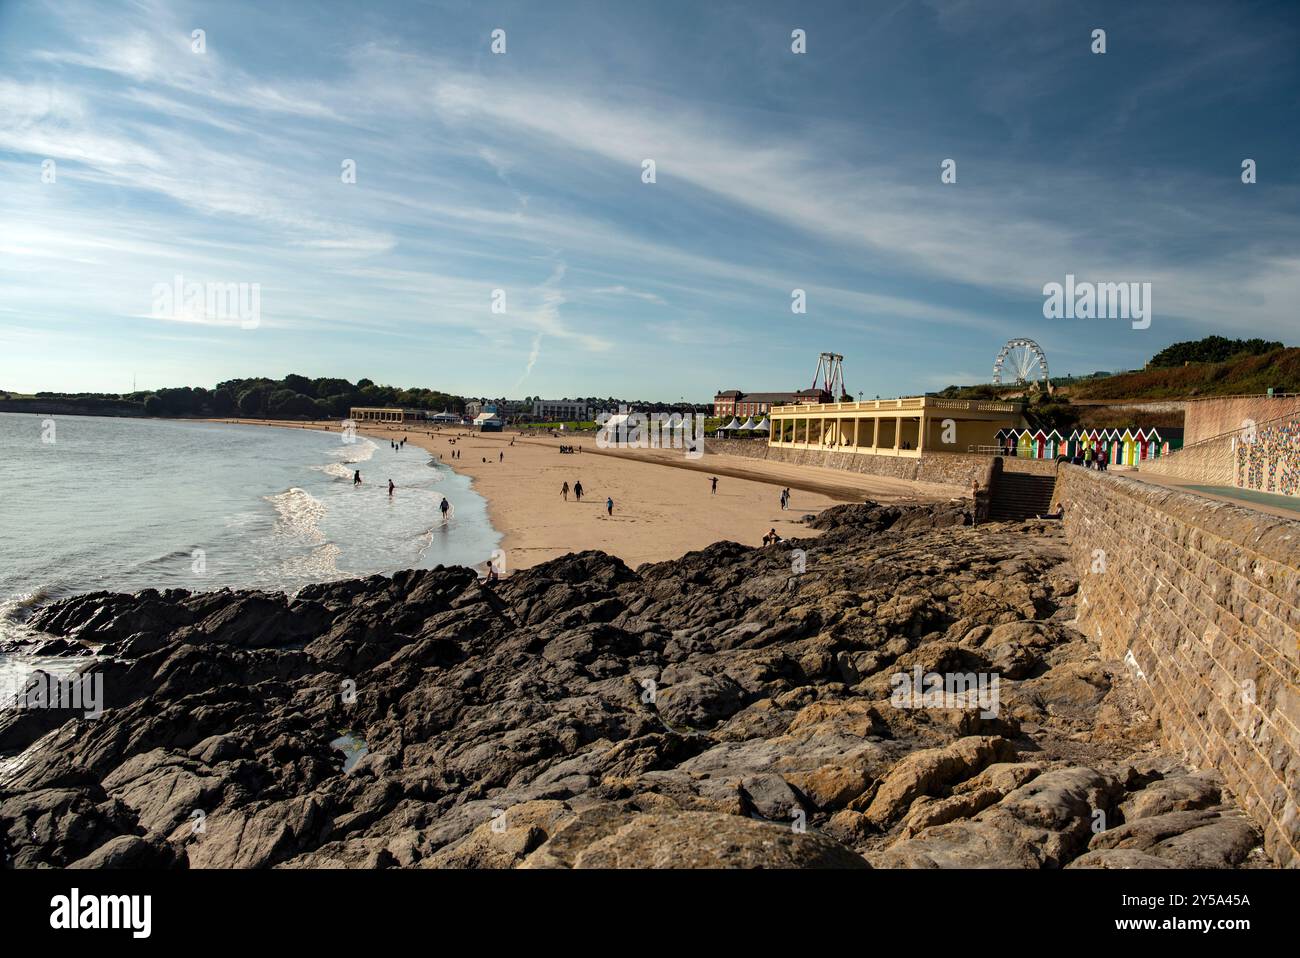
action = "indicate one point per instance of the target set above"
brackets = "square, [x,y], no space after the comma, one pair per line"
[1020,496]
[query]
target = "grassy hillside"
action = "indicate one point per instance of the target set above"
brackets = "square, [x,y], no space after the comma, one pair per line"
[1279,370]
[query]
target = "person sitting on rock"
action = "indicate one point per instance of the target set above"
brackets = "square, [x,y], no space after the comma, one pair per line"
[1058,513]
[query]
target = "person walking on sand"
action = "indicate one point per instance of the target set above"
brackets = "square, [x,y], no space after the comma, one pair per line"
[609,506]
[501,456]
[564,490]
[785,498]
[445,507]
[577,490]
[356,477]
[390,488]
[713,480]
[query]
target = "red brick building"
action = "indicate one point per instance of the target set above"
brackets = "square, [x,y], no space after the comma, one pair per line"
[733,402]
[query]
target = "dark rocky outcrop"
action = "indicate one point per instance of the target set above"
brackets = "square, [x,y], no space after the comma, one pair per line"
[722,710]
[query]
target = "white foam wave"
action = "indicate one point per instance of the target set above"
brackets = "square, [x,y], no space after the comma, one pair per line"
[360,451]
[336,469]
[19,607]
[298,515]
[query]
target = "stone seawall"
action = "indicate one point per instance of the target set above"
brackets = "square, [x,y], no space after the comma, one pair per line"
[1200,599]
[949,468]
[1209,463]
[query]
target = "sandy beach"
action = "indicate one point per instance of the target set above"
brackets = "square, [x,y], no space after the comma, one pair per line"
[663,506]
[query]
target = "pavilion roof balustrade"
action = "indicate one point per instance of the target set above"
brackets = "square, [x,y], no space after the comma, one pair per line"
[893,405]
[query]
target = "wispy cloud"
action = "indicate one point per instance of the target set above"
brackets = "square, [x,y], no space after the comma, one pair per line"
[522,172]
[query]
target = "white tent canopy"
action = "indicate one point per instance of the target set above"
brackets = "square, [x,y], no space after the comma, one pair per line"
[734,424]
[763,426]
[748,426]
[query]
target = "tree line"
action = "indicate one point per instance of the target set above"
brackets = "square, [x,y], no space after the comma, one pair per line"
[1211,349]
[293,397]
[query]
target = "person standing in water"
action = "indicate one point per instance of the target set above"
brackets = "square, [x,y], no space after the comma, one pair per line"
[577,490]
[564,490]
[609,506]
[390,488]
[356,477]
[445,507]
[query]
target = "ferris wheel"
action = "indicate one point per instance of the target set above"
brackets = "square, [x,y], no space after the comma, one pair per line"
[1022,358]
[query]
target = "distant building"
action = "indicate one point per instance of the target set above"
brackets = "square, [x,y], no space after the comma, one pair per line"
[562,410]
[487,421]
[386,414]
[733,402]
[910,426]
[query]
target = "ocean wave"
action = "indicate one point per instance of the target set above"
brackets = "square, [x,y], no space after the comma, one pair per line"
[360,451]
[18,608]
[298,515]
[336,469]
[165,559]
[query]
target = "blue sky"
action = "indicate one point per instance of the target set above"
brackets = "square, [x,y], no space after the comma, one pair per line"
[522,172]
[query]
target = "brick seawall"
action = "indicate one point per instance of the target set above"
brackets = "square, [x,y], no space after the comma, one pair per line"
[1201,599]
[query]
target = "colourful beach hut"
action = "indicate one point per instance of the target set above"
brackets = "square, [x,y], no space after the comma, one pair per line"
[1112,446]
[1055,445]
[1025,444]
[1127,449]
[1145,442]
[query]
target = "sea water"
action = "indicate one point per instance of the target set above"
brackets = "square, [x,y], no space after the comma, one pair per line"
[127,504]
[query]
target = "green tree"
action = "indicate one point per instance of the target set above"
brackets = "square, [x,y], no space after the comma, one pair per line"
[299,384]
[223,403]
[253,402]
